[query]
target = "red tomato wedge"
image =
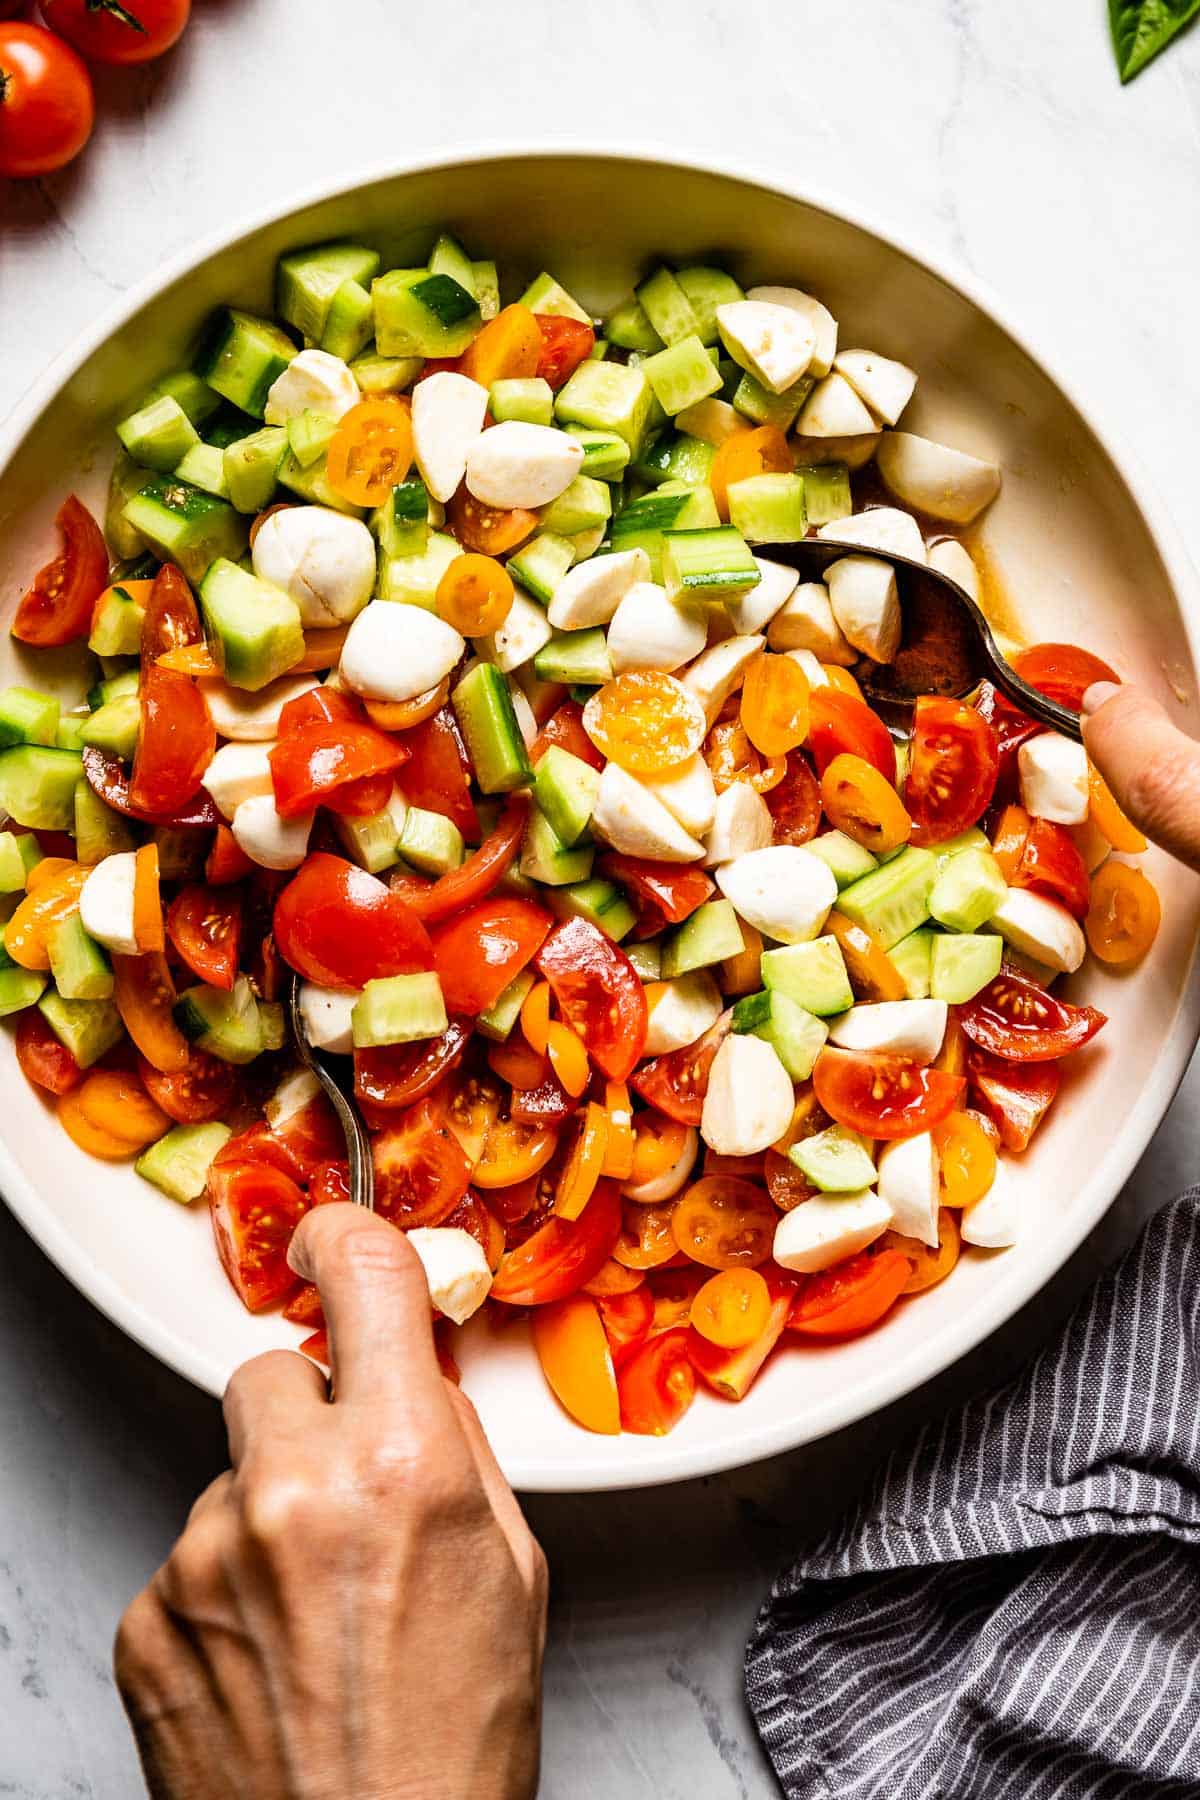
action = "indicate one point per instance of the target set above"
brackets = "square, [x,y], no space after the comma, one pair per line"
[1062,672]
[481,950]
[952,769]
[565,344]
[106,777]
[657,1385]
[1015,1096]
[176,742]
[1011,728]
[565,728]
[561,1254]
[43,1060]
[883,1096]
[673,892]
[205,926]
[852,1297]
[599,992]
[421,1171]
[437,775]
[677,1083]
[1051,864]
[227,862]
[340,927]
[58,607]
[255,1209]
[841,723]
[319,706]
[311,1136]
[203,1090]
[1015,1018]
[483,869]
[627,1318]
[546,1103]
[315,764]
[397,1074]
[258,1144]
[171,620]
[795,802]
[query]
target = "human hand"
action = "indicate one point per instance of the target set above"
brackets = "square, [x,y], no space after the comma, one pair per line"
[357,1607]
[1152,767]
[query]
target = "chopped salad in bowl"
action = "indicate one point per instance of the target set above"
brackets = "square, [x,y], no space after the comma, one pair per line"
[442,659]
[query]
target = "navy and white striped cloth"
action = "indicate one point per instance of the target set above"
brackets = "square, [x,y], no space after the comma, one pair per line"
[1014,1614]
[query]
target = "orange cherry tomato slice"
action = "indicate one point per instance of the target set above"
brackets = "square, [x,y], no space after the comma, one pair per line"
[535,1017]
[732,1308]
[45,907]
[967,1151]
[116,1102]
[1125,913]
[657,1385]
[928,1263]
[512,1152]
[774,709]
[657,1146]
[48,870]
[732,1373]
[145,998]
[873,974]
[646,1240]
[645,722]
[732,757]
[1108,818]
[508,348]
[762,450]
[89,1137]
[475,595]
[618,1155]
[1008,843]
[148,929]
[852,1297]
[402,715]
[724,1223]
[861,802]
[568,1058]
[572,1347]
[585,1164]
[371,451]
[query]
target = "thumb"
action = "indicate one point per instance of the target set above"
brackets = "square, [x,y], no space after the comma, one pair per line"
[1151,766]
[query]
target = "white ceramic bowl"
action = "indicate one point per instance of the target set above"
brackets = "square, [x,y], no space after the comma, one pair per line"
[1081,547]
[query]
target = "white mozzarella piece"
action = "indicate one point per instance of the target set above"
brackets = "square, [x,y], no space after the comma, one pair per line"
[828,1228]
[326,1016]
[866,605]
[834,410]
[750,1098]
[651,631]
[883,528]
[519,464]
[712,420]
[806,622]
[518,640]
[784,891]
[447,417]
[951,558]
[527,723]
[909,1182]
[751,611]
[688,793]
[741,823]
[590,593]
[813,672]
[1054,778]
[665,1186]
[106,904]
[292,1095]
[822,321]
[238,772]
[720,671]
[394,651]
[945,483]
[636,823]
[252,718]
[684,1010]
[912,1028]
[885,386]
[994,1223]
[268,840]
[855,451]
[1041,929]
[323,559]
[774,343]
[456,1269]
[316,382]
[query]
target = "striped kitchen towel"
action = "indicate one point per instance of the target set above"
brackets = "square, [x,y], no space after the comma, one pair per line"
[1014,1613]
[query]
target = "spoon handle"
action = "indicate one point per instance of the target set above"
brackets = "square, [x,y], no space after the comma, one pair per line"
[358,1149]
[1050,713]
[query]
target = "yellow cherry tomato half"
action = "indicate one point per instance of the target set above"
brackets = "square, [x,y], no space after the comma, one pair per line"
[732,1308]
[861,802]
[1124,915]
[371,451]
[774,710]
[475,595]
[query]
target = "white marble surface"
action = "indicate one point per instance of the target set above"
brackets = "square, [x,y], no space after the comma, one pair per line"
[997,134]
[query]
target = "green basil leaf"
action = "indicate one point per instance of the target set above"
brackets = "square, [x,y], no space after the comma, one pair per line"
[1141,28]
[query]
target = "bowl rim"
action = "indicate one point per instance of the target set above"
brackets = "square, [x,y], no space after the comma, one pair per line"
[666,1464]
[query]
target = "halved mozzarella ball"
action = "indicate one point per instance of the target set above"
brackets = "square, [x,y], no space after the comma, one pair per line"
[909,1182]
[994,1223]
[688,793]
[711,420]
[783,890]
[885,386]
[742,822]
[945,483]
[519,464]
[106,904]
[323,559]
[910,1028]
[822,321]
[750,1098]
[829,1228]
[1054,778]
[683,1010]
[855,451]
[866,605]
[316,382]
[665,1186]
[774,343]
[590,593]
[238,772]
[751,611]
[518,640]
[456,1270]
[806,622]
[636,823]
[834,410]
[292,1095]
[720,671]
[394,651]
[1040,928]
[448,411]
[879,528]
[650,631]
[252,718]
[326,1015]
[268,840]
[951,558]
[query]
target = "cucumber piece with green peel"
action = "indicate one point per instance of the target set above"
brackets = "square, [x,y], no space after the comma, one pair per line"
[628,327]
[112,688]
[308,437]
[449,258]
[87,1028]
[203,466]
[179,1162]
[967,890]
[796,1036]
[373,842]
[27,717]
[350,323]
[827,493]
[712,564]
[813,975]
[709,936]
[252,465]
[565,787]
[487,288]
[705,289]
[836,1161]
[681,375]
[419,314]
[667,307]
[69,735]
[226,1024]
[756,402]
[582,506]
[546,295]
[190,392]
[605,454]
[545,858]
[483,707]
[970,839]
[601,902]
[607,396]
[646,957]
[847,859]
[307,280]
[242,357]
[540,564]
[575,657]
[184,525]
[769,509]
[430,842]
[913,959]
[159,435]
[498,1021]
[99,830]
[377,374]
[19,854]
[415,578]
[513,882]
[643,524]
[313,484]
[256,625]
[80,968]
[676,457]
[37,786]
[19,988]
[528,398]
[125,481]
[894,899]
[963,963]
[115,726]
[401,525]
[116,624]
[397,1010]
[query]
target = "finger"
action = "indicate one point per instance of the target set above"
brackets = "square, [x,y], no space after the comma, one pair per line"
[1150,765]
[501,1498]
[376,1303]
[277,1391]
[215,1495]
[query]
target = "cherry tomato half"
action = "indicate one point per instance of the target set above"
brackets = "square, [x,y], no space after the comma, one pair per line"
[842,723]
[562,1254]
[657,1385]
[1015,1096]
[852,1297]
[437,775]
[319,764]
[340,927]
[883,1096]
[58,607]
[395,1075]
[1062,672]
[794,803]
[205,926]
[421,1172]
[43,1060]
[724,1223]
[952,770]
[176,742]
[1015,1018]
[565,344]
[255,1209]
[1051,864]
[201,1091]
[371,451]
[1125,912]
[46,114]
[677,1083]
[599,993]
[479,951]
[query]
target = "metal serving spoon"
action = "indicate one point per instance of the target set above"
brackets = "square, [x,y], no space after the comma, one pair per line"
[946,645]
[358,1149]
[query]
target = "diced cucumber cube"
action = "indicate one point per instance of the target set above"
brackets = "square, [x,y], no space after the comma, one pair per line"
[419,314]
[605,454]
[18,854]
[913,957]
[27,717]
[769,509]
[99,830]
[19,988]
[582,506]
[765,408]
[708,565]
[522,397]
[416,578]
[193,394]
[179,1162]
[545,858]
[676,457]
[114,726]
[158,435]
[430,842]
[836,1161]
[487,288]
[967,890]
[313,484]
[498,1021]
[79,966]
[126,480]
[307,280]
[350,325]
[546,295]
[204,467]
[37,786]
[256,625]
[127,682]
[794,1034]
[374,842]
[963,963]
[602,902]
[377,374]
[608,397]
[970,839]
[629,329]
[229,1025]
[69,735]
[182,524]
[483,707]
[541,564]
[705,289]
[892,900]
[847,859]
[401,524]
[575,657]
[308,437]
[813,975]
[711,934]
[681,375]
[827,493]
[87,1028]
[449,258]
[397,1010]
[667,307]
[565,787]
[243,357]
[646,958]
